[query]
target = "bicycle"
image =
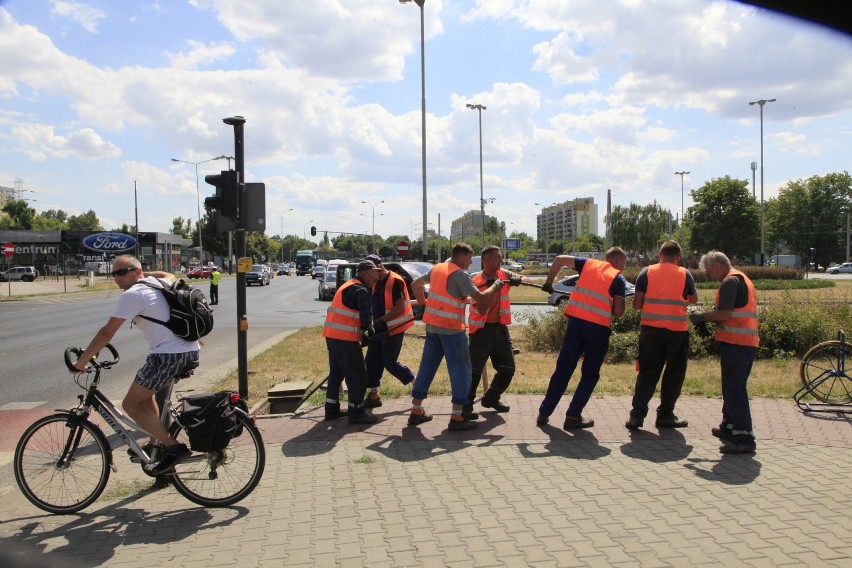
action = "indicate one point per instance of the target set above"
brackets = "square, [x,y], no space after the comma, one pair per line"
[63,461]
[825,377]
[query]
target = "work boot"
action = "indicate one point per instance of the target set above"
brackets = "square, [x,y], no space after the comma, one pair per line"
[572,423]
[469,414]
[634,423]
[363,418]
[738,447]
[496,405]
[373,400]
[461,425]
[670,421]
[541,420]
[417,418]
[331,414]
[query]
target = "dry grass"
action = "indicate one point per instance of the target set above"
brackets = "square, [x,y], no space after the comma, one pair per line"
[303,356]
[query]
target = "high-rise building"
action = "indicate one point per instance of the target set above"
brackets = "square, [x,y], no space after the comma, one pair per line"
[469,224]
[568,220]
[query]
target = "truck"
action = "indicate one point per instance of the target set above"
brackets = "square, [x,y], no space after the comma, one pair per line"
[785,260]
[305,261]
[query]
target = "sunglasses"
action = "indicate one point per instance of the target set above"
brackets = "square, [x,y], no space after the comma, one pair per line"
[121,271]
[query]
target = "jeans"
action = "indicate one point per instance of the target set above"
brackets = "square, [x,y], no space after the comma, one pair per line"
[345,361]
[492,341]
[383,353]
[582,339]
[659,347]
[436,347]
[736,414]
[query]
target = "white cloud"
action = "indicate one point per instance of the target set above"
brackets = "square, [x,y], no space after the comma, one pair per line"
[86,16]
[40,140]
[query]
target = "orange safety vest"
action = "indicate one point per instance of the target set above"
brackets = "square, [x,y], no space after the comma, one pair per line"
[590,299]
[741,327]
[406,319]
[443,310]
[663,305]
[476,321]
[342,322]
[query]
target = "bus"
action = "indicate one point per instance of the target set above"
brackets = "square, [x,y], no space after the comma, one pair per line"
[305,261]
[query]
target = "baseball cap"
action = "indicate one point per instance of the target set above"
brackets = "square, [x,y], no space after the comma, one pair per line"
[374,258]
[365,265]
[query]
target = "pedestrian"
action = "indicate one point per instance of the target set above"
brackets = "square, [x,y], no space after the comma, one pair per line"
[348,323]
[450,287]
[597,297]
[170,356]
[392,316]
[215,278]
[489,334]
[663,291]
[735,315]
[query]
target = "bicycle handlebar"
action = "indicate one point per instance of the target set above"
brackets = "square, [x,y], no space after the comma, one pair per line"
[94,363]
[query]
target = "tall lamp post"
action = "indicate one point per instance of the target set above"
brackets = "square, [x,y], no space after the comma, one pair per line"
[761,102]
[480,108]
[753,183]
[373,234]
[198,199]
[420,3]
[681,174]
[282,232]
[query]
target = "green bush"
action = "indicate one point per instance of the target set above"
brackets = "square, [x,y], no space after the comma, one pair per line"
[544,332]
[623,347]
[796,327]
[629,320]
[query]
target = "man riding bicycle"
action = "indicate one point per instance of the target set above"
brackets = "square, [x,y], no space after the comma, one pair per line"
[169,357]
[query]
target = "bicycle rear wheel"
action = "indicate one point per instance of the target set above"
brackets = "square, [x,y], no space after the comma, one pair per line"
[62,463]
[222,478]
[824,373]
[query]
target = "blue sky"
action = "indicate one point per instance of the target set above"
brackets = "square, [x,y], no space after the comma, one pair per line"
[582,96]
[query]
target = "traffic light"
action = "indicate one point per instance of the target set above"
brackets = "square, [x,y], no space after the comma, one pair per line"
[227,198]
[313,231]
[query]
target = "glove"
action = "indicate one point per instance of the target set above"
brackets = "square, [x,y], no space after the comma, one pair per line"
[367,335]
[547,288]
[696,318]
[490,281]
[516,280]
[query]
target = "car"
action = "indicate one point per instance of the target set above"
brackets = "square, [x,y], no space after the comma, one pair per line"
[202,272]
[319,271]
[845,268]
[563,289]
[410,271]
[511,265]
[258,275]
[22,273]
[284,270]
[327,286]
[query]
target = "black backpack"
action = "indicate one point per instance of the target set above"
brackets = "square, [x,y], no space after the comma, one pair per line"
[210,421]
[190,317]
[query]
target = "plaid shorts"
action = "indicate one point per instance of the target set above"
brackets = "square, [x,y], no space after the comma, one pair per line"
[161,368]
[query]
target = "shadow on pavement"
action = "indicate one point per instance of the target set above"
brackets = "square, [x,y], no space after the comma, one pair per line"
[730,469]
[574,444]
[652,447]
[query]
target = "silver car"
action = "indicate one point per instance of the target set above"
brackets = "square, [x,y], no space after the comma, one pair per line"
[845,268]
[328,285]
[563,289]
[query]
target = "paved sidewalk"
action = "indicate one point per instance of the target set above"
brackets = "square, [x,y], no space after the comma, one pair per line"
[508,494]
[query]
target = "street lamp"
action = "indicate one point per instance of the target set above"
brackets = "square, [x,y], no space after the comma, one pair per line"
[761,102]
[681,174]
[305,227]
[422,113]
[753,169]
[480,108]
[198,199]
[282,232]
[373,234]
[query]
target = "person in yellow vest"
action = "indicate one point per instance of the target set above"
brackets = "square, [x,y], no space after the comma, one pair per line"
[348,321]
[663,291]
[215,278]
[489,334]
[449,288]
[735,315]
[597,297]
[392,315]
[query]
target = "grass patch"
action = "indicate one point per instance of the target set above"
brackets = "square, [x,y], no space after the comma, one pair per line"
[365,460]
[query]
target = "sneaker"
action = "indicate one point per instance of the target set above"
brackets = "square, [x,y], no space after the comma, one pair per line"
[335,414]
[172,456]
[498,406]
[574,423]
[363,418]
[634,423]
[460,425]
[372,401]
[417,419]
[671,422]
[541,420]
[146,447]
[734,447]
[469,414]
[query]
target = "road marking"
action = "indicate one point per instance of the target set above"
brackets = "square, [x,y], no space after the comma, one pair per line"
[22,405]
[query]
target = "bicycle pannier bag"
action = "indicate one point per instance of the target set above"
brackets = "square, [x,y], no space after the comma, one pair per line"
[210,421]
[190,317]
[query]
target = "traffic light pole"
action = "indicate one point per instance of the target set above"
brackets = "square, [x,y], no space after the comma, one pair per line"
[242,318]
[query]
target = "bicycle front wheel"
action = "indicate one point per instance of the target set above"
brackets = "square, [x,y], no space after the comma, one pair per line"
[823,372]
[62,463]
[222,478]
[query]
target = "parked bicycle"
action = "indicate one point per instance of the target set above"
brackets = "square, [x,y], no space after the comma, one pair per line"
[826,378]
[63,461]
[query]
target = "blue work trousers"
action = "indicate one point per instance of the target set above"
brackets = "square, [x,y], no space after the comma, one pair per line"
[345,362]
[383,353]
[736,367]
[436,347]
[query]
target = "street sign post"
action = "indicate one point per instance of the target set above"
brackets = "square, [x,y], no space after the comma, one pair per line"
[8,249]
[512,244]
[402,248]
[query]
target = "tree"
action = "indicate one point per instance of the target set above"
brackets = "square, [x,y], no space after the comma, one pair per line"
[639,228]
[21,215]
[182,227]
[87,221]
[725,217]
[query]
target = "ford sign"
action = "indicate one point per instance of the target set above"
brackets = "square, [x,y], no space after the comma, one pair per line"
[117,243]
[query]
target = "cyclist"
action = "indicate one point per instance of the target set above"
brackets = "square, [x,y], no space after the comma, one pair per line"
[169,357]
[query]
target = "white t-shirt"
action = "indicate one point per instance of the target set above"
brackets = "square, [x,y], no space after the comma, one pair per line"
[140,299]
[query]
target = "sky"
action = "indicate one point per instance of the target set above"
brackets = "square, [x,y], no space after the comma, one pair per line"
[581,96]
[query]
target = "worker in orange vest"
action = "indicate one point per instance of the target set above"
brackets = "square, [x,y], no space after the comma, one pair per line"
[735,316]
[596,299]
[663,291]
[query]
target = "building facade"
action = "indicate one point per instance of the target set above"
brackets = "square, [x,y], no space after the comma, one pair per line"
[463,228]
[567,220]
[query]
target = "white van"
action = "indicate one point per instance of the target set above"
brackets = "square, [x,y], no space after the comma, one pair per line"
[475,265]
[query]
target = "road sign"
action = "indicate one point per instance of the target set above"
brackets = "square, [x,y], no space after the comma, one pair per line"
[512,244]
[402,248]
[8,249]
